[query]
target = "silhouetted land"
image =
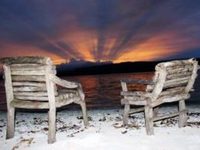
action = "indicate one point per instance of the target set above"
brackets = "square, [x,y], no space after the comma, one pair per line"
[108,68]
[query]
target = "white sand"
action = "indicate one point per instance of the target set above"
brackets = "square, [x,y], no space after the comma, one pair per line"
[103,134]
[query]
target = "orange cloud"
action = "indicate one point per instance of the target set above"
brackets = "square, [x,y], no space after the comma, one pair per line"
[82,45]
[13,50]
[159,47]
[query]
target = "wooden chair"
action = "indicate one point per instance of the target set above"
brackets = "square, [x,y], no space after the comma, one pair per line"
[31,83]
[172,82]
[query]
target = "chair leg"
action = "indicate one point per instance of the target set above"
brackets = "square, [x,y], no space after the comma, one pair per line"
[84,111]
[155,111]
[52,126]
[182,114]
[126,114]
[10,123]
[149,120]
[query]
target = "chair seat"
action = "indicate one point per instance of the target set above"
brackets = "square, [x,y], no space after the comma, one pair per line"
[141,98]
[135,93]
[66,94]
[136,97]
[176,97]
[64,97]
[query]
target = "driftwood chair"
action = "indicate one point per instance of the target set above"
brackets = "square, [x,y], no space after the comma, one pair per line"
[172,82]
[31,83]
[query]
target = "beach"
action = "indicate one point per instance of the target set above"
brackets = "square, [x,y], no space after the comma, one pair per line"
[104,132]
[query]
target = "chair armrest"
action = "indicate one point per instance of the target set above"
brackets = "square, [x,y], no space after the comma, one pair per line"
[137,81]
[64,83]
[69,84]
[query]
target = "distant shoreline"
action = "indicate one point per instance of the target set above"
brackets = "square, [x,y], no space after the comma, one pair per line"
[109,68]
[95,68]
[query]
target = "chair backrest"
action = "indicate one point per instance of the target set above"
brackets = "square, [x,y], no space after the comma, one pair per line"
[173,78]
[26,77]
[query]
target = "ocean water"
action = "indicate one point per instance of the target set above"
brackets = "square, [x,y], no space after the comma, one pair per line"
[103,91]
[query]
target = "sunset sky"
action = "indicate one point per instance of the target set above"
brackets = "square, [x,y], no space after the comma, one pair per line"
[100,30]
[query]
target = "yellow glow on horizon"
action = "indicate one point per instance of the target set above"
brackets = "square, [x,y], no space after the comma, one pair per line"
[155,48]
[82,45]
[152,49]
[21,50]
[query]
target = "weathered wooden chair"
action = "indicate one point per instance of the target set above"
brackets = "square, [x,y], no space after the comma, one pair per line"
[172,82]
[31,83]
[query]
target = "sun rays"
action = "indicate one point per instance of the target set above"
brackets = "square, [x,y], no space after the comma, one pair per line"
[100,30]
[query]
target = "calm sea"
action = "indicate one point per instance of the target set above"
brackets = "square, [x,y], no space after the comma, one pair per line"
[103,91]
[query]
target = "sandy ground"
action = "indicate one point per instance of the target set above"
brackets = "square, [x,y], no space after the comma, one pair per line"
[105,132]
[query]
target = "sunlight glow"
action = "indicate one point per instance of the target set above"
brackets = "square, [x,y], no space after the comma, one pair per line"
[156,48]
[100,31]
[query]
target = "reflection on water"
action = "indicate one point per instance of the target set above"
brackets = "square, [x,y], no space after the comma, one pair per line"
[103,90]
